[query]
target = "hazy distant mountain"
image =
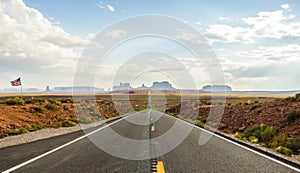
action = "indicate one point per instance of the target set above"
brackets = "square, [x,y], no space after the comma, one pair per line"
[77,89]
[164,85]
[143,87]
[122,87]
[217,88]
[291,92]
[32,90]
[11,90]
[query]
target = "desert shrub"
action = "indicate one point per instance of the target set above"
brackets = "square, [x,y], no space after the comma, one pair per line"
[294,145]
[51,101]
[264,133]
[115,114]
[293,116]
[268,133]
[92,108]
[36,100]
[137,109]
[85,120]
[17,131]
[26,108]
[28,101]
[57,102]
[2,135]
[291,99]
[38,109]
[172,114]
[222,126]
[254,107]
[240,136]
[298,97]
[66,108]
[51,107]
[96,115]
[204,102]
[68,124]
[253,139]
[35,127]
[199,123]
[254,131]
[279,140]
[15,101]
[68,100]
[284,150]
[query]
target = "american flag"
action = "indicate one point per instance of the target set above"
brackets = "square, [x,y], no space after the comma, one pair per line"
[16,82]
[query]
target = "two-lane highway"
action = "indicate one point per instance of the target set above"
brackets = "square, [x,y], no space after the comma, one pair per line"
[217,155]
[116,148]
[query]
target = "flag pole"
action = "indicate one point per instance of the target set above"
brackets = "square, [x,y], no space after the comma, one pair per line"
[21,91]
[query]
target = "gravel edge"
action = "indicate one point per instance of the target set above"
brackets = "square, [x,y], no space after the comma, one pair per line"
[46,133]
[52,132]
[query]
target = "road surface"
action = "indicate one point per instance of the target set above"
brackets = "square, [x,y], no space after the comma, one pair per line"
[90,153]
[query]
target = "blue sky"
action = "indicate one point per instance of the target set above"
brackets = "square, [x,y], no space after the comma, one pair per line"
[72,15]
[256,42]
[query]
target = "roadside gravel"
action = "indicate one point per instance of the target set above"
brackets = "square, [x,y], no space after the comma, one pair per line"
[44,134]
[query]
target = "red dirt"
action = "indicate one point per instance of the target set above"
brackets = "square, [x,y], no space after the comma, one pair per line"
[240,117]
[24,116]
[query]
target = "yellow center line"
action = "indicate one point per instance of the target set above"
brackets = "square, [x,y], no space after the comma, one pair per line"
[152,128]
[160,167]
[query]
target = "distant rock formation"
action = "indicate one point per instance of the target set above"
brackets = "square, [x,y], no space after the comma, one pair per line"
[122,87]
[32,90]
[164,85]
[47,89]
[143,87]
[11,90]
[217,88]
[77,89]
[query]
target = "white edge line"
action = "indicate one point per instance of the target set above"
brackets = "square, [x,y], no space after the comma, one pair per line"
[62,146]
[242,146]
[77,139]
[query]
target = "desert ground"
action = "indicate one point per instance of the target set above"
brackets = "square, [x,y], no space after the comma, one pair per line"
[271,121]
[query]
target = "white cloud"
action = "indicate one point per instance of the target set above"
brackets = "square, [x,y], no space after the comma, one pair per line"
[53,21]
[33,44]
[198,23]
[91,36]
[110,7]
[229,34]
[266,76]
[228,64]
[100,5]
[265,24]
[272,25]
[224,18]
[274,54]
[264,68]
[116,33]
[197,38]
[285,6]
[104,5]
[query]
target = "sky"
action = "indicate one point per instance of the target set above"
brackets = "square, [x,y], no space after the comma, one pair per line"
[256,43]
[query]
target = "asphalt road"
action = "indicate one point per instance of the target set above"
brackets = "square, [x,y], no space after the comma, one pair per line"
[118,147]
